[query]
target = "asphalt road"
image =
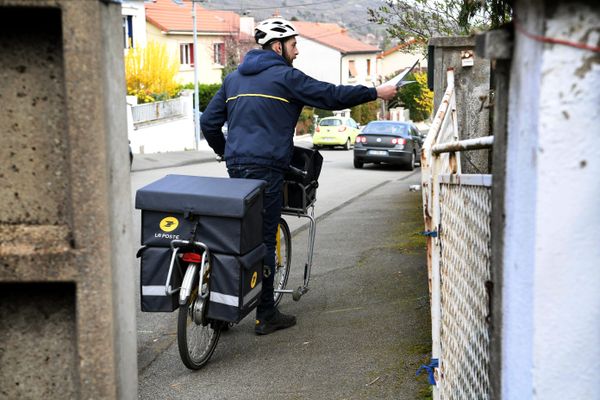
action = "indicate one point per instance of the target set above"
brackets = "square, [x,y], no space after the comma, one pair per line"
[363,328]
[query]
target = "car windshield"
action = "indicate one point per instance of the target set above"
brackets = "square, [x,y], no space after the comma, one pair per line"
[385,128]
[330,122]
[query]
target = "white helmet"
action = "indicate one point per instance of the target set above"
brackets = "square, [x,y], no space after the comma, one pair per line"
[273,28]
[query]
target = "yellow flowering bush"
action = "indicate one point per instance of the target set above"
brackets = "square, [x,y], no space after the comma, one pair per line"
[150,73]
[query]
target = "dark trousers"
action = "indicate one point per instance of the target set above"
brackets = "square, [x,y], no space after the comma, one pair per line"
[271,216]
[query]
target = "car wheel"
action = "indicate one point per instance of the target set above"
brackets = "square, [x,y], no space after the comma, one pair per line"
[358,164]
[411,164]
[347,144]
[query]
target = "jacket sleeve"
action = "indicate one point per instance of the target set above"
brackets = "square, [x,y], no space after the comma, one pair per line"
[309,91]
[212,121]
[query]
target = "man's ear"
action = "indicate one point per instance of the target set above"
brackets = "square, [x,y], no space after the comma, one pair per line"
[276,46]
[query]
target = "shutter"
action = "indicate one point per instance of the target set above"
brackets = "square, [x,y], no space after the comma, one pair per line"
[191,47]
[222,55]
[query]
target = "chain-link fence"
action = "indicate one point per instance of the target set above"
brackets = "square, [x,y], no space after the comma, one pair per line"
[464,276]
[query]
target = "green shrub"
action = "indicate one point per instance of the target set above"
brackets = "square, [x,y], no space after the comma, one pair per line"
[364,113]
[305,121]
[416,97]
[205,92]
[323,113]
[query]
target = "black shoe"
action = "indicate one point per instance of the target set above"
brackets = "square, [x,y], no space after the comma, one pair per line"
[277,321]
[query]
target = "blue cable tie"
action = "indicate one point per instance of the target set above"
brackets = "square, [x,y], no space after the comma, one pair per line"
[429,368]
[429,233]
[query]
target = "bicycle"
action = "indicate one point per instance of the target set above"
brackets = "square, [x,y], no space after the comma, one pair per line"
[215,273]
[197,334]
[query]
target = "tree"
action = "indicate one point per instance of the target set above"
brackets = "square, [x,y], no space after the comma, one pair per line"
[235,48]
[416,97]
[364,113]
[423,19]
[150,73]
[305,121]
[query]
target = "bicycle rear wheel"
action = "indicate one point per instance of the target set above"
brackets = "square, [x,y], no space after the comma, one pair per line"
[283,259]
[196,341]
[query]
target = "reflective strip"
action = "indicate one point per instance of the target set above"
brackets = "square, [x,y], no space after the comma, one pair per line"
[257,95]
[226,299]
[153,290]
[253,293]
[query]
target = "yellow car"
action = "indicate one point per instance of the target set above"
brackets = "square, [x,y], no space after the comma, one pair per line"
[335,131]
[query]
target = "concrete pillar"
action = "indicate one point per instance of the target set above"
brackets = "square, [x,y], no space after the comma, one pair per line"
[67,314]
[551,302]
[472,86]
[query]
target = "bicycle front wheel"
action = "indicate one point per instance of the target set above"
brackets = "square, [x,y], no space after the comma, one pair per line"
[283,259]
[196,341]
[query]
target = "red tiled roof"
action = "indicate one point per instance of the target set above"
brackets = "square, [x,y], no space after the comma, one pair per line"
[168,16]
[399,47]
[332,35]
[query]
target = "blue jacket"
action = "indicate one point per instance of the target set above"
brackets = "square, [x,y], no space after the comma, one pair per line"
[261,102]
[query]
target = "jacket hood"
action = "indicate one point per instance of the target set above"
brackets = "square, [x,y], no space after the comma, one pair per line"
[257,61]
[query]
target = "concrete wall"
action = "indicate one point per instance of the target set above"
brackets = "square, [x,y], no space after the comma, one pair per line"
[551,302]
[472,85]
[67,322]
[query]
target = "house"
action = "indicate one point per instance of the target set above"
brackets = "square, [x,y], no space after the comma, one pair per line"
[329,54]
[134,23]
[171,23]
[398,58]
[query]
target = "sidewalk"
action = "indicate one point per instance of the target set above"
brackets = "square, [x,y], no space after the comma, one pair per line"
[204,154]
[144,162]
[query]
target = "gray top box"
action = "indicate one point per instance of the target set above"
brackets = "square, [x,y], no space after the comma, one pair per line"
[200,195]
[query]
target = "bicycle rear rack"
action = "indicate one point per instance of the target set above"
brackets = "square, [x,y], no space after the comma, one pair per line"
[301,290]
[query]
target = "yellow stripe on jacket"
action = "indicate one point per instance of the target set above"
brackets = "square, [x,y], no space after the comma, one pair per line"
[257,95]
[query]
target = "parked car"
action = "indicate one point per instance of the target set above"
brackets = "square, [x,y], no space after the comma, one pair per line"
[390,142]
[335,131]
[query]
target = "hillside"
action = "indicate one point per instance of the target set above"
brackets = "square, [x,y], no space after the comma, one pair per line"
[351,14]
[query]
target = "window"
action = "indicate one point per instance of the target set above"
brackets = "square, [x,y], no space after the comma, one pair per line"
[330,122]
[219,53]
[351,69]
[369,67]
[186,54]
[383,128]
[128,31]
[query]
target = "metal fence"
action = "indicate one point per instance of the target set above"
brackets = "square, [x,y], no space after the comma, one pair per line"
[158,110]
[457,213]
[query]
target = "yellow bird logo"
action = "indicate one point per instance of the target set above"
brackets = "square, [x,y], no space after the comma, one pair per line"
[169,224]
